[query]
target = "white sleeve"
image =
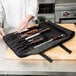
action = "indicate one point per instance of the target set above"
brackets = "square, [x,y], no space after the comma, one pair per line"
[1,13]
[32,8]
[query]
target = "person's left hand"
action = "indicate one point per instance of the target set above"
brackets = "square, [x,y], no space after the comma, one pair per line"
[23,25]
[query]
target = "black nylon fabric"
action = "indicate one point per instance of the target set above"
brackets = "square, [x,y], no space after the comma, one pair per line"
[23,48]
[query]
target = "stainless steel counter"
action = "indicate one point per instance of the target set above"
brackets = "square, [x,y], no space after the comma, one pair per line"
[34,67]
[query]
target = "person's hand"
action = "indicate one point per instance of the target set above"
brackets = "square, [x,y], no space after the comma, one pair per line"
[1,32]
[23,25]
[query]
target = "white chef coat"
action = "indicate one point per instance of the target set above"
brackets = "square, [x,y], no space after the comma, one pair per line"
[12,12]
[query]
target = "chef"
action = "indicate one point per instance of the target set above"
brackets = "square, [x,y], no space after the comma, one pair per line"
[17,14]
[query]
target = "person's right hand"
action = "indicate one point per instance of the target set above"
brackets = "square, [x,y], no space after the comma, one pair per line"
[1,32]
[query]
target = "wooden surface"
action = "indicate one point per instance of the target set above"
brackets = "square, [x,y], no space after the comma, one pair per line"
[56,53]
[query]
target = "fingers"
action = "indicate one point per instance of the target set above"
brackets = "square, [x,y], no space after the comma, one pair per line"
[1,33]
[1,36]
[22,27]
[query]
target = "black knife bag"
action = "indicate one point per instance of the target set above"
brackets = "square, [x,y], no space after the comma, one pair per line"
[38,39]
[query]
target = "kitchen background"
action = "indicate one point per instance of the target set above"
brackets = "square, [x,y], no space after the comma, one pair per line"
[59,11]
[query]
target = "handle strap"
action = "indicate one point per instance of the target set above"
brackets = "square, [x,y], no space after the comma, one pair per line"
[46,57]
[65,48]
